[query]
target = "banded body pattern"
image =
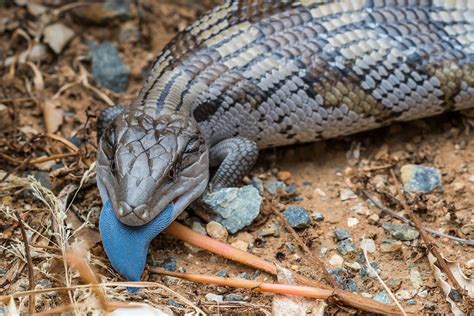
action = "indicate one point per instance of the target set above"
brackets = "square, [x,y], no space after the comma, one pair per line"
[283,72]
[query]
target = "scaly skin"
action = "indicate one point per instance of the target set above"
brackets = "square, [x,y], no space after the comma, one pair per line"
[256,74]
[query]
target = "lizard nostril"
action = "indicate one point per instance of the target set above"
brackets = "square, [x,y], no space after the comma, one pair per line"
[142,211]
[124,209]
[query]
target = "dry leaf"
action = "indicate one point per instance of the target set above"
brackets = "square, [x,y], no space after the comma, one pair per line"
[86,235]
[465,282]
[53,116]
[286,305]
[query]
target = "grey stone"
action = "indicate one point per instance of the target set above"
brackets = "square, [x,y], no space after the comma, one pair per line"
[455,295]
[296,216]
[222,274]
[341,233]
[291,189]
[411,302]
[108,69]
[317,216]
[258,184]
[118,7]
[401,231]
[346,246]
[173,303]
[420,179]
[271,186]
[43,178]
[273,230]
[234,208]
[382,297]
[233,297]
[169,264]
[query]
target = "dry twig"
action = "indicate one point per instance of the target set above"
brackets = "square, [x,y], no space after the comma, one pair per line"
[305,248]
[356,301]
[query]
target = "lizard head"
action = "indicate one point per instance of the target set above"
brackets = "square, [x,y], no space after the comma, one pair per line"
[149,169]
[147,162]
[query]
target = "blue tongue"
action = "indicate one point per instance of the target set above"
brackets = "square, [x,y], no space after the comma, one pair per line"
[127,246]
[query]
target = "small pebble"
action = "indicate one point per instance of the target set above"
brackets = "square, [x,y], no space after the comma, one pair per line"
[258,184]
[272,186]
[296,216]
[405,295]
[173,303]
[401,231]
[222,274]
[471,178]
[352,221]
[423,293]
[415,278]
[233,297]
[382,297]
[197,227]
[394,283]
[323,251]
[240,244]
[411,302]
[373,219]
[346,246]
[217,231]
[353,265]
[293,189]
[336,261]
[169,264]
[389,245]
[210,297]
[369,245]
[341,233]
[455,295]
[108,69]
[57,35]
[273,230]
[283,175]
[420,179]
[317,216]
[320,192]
[346,194]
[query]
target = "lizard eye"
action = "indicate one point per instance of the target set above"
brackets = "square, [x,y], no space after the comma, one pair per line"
[172,173]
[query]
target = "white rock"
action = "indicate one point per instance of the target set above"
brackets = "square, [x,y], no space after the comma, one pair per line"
[210,297]
[336,261]
[405,295]
[142,310]
[57,35]
[346,194]
[353,265]
[352,221]
[415,278]
[369,245]
[423,293]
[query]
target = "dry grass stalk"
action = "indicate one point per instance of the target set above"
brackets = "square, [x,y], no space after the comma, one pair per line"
[371,269]
[31,277]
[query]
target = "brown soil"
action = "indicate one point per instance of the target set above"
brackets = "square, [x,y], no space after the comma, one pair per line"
[320,171]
